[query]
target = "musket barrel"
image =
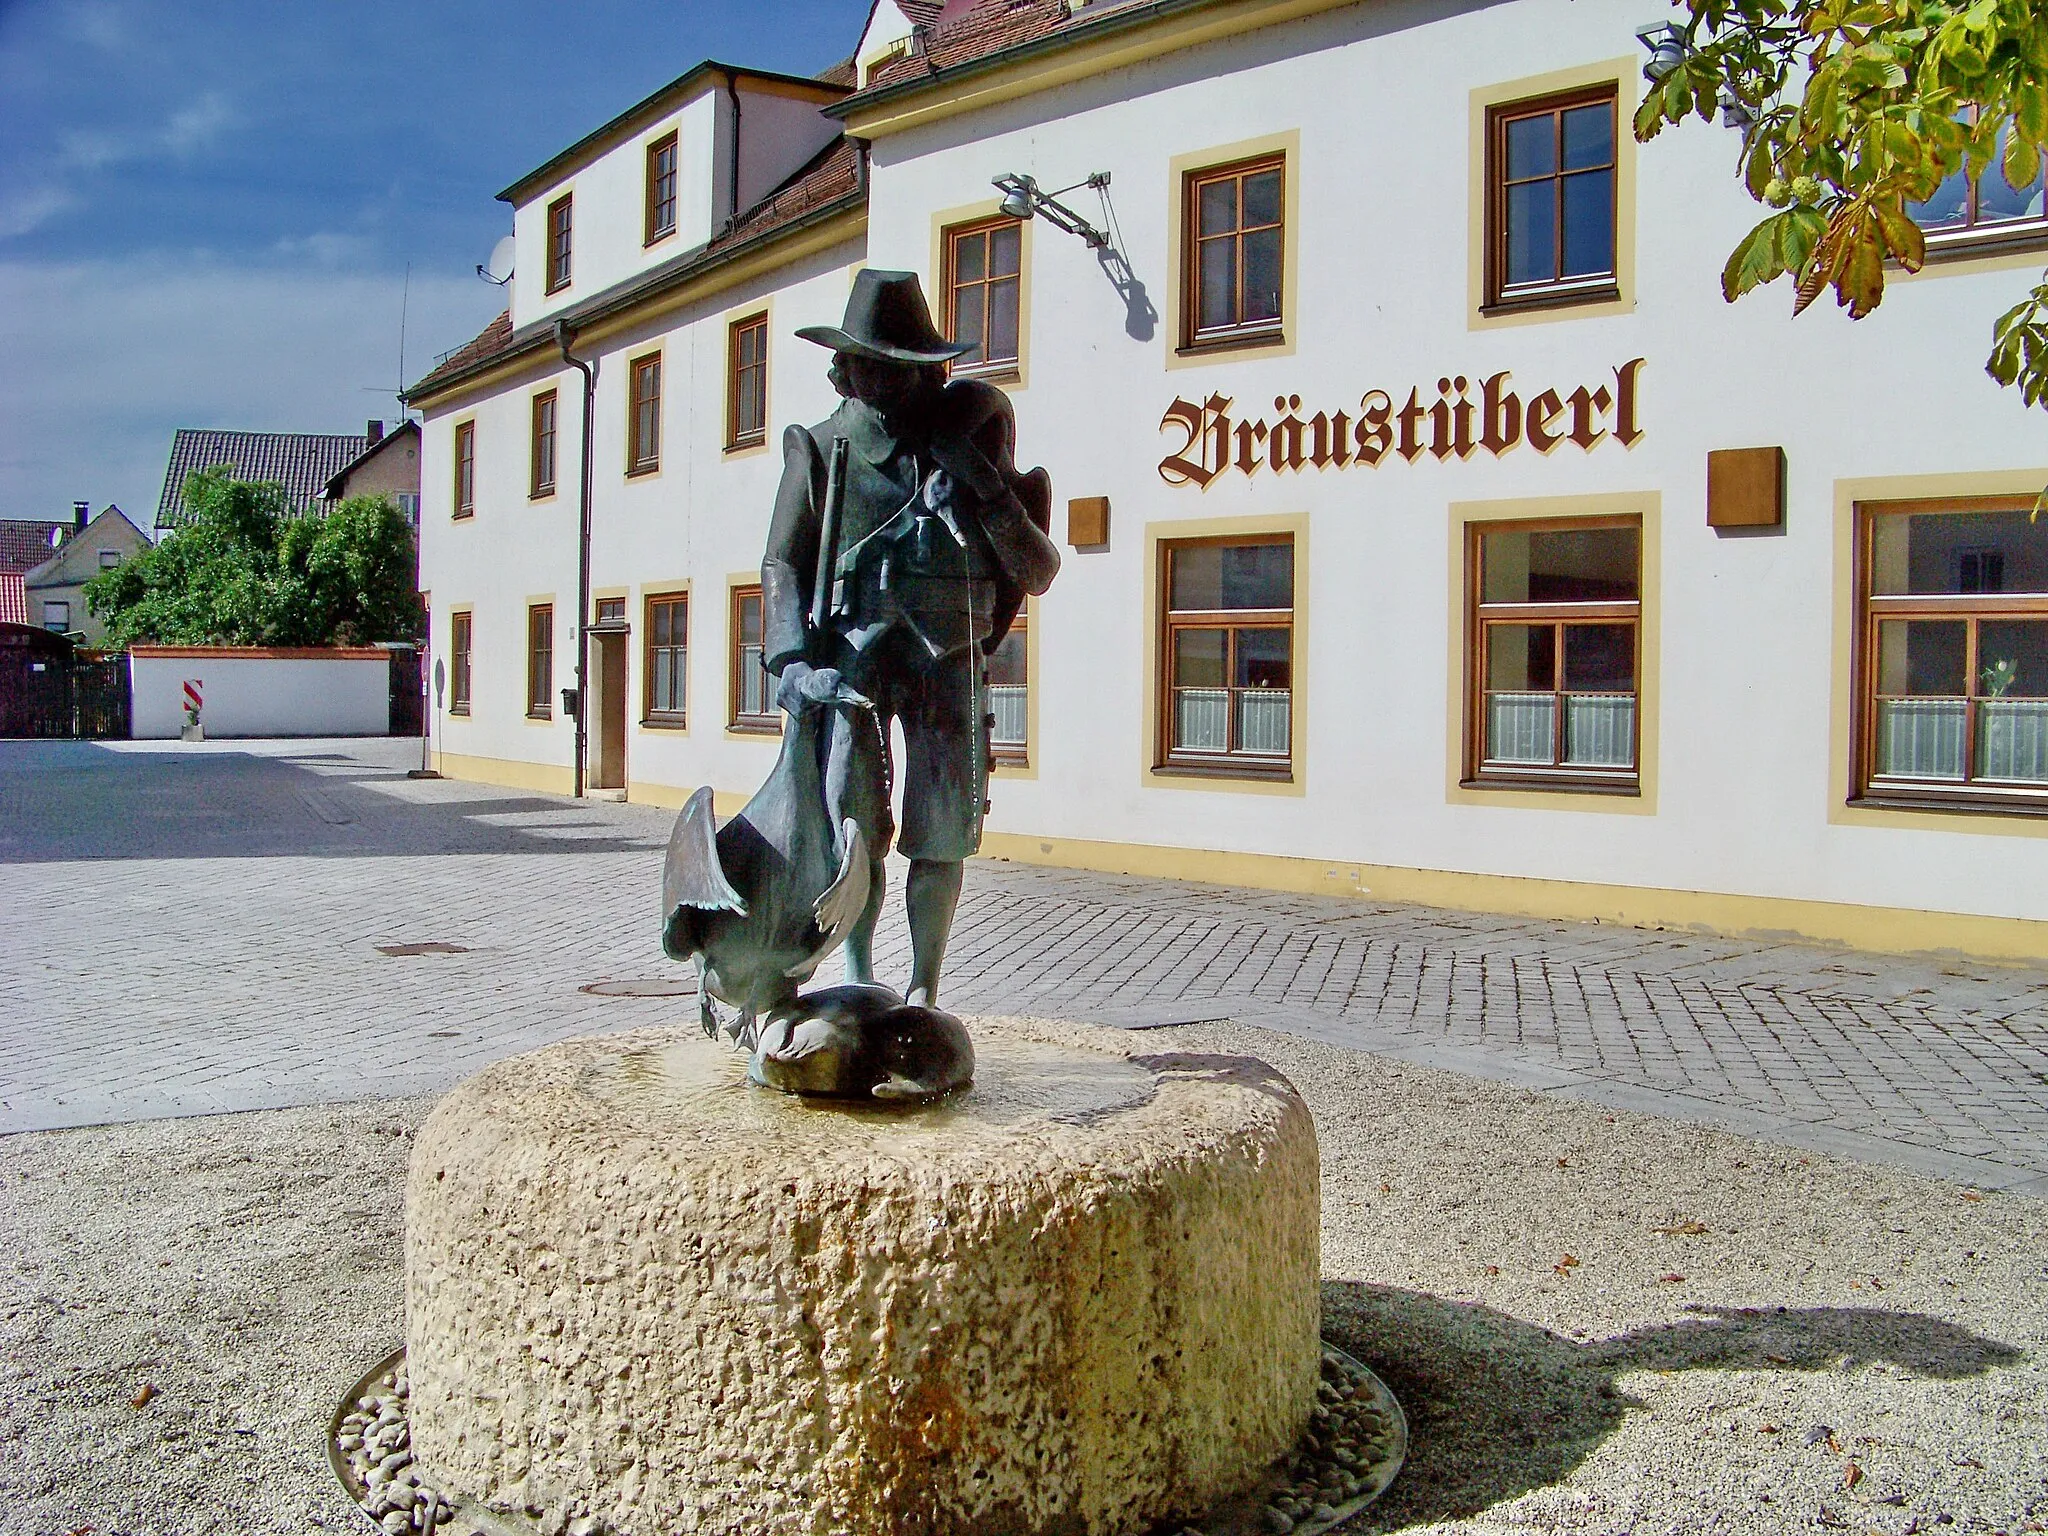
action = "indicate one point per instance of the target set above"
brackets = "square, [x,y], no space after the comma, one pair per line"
[828,539]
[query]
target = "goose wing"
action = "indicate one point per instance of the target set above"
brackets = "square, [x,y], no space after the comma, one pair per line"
[691,876]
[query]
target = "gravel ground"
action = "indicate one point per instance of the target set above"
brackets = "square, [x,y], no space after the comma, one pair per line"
[1597,1323]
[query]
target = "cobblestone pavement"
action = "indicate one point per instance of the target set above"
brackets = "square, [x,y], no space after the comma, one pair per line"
[197,928]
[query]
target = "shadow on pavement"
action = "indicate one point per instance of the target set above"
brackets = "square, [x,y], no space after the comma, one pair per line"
[74,801]
[1499,1407]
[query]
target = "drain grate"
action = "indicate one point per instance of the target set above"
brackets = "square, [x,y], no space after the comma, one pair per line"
[662,986]
[430,947]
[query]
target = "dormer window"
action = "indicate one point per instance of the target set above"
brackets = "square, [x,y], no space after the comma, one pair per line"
[661,189]
[560,222]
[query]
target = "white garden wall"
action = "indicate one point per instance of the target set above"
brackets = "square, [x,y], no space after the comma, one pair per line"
[254,691]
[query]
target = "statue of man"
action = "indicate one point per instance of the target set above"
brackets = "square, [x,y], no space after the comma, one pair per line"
[939,539]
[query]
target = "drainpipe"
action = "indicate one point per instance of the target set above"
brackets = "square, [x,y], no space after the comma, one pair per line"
[732,90]
[563,336]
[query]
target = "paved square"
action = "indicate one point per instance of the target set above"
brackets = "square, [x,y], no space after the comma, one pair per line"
[199,928]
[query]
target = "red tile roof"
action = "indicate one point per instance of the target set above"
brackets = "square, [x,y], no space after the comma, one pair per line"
[972,29]
[25,542]
[831,174]
[13,599]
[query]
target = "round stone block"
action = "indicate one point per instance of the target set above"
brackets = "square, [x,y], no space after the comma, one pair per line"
[1079,1298]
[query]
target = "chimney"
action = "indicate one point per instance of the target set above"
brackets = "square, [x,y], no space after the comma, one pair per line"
[81,514]
[375,434]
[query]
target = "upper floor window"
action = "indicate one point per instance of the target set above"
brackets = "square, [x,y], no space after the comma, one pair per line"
[408,507]
[752,695]
[57,616]
[668,672]
[109,558]
[746,383]
[1228,655]
[465,469]
[542,468]
[1554,647]
[1952,653]
[643,421]
[561,218]
[984,293]
[1965,208]
[1233,271]
[1551,209]
[459,631]
[661,188]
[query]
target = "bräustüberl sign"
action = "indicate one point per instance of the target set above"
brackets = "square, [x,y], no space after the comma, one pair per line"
[1458,423]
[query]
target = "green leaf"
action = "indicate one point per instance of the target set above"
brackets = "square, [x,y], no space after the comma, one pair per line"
[1906,241]
[1759,168]
[1755,261]
[2022,161]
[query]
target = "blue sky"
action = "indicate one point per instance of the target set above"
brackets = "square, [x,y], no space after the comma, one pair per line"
[207,209]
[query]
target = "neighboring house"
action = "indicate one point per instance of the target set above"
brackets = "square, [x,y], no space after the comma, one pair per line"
[388,466]
[55,590]
[1435,529]
[302,462]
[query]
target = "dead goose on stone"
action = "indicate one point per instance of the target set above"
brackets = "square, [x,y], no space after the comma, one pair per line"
[762,900]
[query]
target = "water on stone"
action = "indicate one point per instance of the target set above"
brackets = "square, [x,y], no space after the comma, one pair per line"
[1016,1081]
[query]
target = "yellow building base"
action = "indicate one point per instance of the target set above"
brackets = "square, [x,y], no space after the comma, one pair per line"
[1886,930]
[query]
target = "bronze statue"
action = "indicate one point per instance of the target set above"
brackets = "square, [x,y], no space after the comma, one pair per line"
[903,545]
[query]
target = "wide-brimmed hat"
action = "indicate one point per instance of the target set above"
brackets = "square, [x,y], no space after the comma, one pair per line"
[886,318]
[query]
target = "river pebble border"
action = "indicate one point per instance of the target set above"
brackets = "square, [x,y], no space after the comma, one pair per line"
[1356,1441]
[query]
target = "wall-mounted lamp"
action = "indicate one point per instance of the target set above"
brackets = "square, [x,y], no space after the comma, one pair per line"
[1022,199]
[1666,45]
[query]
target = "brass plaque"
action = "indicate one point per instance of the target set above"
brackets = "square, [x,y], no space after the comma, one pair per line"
[1746,488]
[1088,522]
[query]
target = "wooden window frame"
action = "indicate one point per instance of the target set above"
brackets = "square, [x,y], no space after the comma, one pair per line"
[542,467]
[1016,754]
[987,367]
[1562,292]
[1559,776]
[1968,794]
[1233,762]
[654,230]
[540,661]
[735,382]
[650,714]
[639,459]
[769,720]
[1975,239]
[561,242]
[1194,336]
[461,645]
[465,468]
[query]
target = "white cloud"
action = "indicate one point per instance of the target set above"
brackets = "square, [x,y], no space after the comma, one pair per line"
[21,212]
[107,359]
[196,125]
[97,23]
[327,248]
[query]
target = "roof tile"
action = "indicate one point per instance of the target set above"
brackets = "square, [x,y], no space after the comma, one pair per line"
[25,542]
[302,462]
[973,29]
[13,599]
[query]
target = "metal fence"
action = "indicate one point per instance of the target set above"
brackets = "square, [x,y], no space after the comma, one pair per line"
[52,695]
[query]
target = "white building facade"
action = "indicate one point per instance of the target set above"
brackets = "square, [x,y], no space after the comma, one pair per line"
[1381,432]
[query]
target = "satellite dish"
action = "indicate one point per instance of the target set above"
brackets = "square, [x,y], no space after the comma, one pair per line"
[499,268]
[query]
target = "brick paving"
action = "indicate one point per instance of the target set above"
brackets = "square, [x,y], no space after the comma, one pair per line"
[196,928]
